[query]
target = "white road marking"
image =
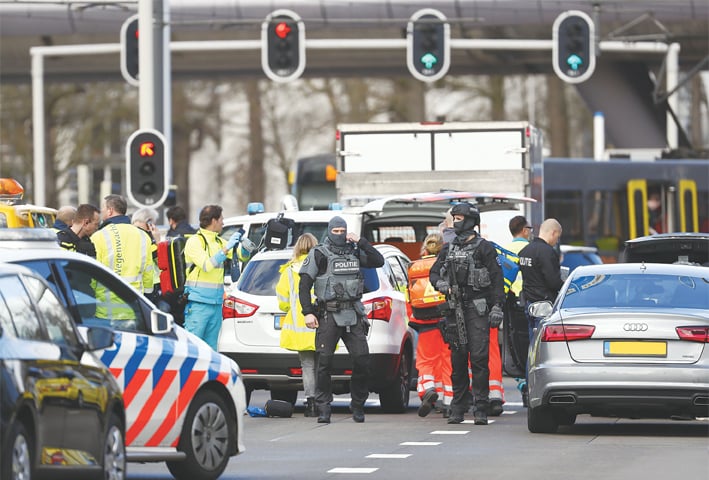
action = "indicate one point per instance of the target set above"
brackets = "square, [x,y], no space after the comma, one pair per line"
[421,444]
[472,422]
[352,470]
[509,412]
[450,432]
[388,455]
[513,404]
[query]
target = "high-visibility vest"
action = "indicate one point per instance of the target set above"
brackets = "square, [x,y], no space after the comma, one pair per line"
[204,280]
[126,250]
[294,334]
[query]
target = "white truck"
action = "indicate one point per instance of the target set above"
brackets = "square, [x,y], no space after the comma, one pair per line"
[376,160]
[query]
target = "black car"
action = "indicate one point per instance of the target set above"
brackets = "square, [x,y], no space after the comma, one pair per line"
[689,248]
[61,409]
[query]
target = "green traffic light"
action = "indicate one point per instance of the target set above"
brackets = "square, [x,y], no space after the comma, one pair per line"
[574,61]
[429,60]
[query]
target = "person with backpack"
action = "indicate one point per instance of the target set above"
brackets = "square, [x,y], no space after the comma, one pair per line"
[433,360]
[295,336]
[468,273]
[206,253]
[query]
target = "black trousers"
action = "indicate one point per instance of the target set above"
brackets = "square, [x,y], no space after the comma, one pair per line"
[477,351]
[326,338]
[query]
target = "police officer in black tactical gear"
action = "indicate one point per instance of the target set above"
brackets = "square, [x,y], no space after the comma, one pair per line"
[467,271]
[333,268]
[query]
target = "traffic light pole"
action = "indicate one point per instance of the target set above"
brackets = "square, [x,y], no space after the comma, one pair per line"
[38,53]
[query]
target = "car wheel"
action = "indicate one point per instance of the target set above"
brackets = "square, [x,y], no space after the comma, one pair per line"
[207,439]
[290,396]
[395,397]
[114,451]
[541,420]
[17,455]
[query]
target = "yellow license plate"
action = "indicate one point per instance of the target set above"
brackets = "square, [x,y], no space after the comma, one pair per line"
[630,348]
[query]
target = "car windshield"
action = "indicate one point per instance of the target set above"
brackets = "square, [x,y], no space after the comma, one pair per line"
[637,290]
[260,277]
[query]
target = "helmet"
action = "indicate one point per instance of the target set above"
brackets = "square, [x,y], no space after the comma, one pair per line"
[468,210]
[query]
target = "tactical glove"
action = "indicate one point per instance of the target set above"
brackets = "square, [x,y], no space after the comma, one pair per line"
[495,316]
[443,287]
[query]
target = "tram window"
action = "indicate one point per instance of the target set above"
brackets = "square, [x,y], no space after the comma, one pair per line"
[567,208]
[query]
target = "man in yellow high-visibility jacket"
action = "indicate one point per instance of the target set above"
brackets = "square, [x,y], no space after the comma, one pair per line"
[205,256]
[126,250]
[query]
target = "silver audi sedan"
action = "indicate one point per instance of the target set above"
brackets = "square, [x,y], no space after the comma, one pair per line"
[622,340]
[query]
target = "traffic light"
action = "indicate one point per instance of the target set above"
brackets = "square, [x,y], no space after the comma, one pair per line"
[283,46]
[428,45]
[129,50]
[573,46]
[147,168]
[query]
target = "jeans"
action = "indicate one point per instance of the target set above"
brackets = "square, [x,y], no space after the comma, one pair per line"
[307,364]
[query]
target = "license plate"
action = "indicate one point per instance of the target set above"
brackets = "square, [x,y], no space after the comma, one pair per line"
[277,319]
[634,349]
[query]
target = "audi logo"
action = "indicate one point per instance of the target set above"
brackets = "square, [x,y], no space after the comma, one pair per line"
[635,327]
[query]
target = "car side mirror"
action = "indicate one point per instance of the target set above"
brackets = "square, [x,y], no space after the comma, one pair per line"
[97,338]
[160,322]
[540,309]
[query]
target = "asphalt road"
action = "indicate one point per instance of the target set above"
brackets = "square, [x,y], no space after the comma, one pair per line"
[407,447]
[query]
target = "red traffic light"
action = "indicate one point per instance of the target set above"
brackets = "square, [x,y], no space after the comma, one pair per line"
[282,30]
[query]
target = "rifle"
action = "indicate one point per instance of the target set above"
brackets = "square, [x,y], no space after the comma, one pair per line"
[455,305]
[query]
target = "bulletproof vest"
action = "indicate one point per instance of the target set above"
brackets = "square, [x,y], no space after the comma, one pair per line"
[342,280]
[468,270]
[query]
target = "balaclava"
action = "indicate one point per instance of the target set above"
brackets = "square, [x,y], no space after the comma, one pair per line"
[338,240]
[471,219]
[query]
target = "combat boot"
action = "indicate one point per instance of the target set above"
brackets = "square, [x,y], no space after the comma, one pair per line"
[480,416]
[495,409]
[455,417]
[324,414]
[427,401]
[357,413]
[310,408]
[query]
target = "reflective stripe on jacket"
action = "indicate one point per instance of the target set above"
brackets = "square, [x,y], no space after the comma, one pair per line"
[294,334]
[205,279]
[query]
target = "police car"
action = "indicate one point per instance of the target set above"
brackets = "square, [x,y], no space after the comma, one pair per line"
[184,402]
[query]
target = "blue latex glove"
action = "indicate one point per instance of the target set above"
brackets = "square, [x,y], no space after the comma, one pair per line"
[234,239]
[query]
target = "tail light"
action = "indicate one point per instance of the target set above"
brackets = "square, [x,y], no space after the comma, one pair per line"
[378,308]
[693,334]
[236,308]
[566,333]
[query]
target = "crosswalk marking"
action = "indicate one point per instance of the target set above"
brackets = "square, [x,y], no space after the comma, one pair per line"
[420,444]
[352,470]
[388,455]
[450,432]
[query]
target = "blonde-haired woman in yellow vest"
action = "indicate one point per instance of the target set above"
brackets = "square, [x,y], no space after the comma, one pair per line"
[294,334]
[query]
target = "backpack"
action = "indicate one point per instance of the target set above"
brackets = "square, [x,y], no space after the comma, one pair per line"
[425,300]
[277,232]
[171,262]
[509,261]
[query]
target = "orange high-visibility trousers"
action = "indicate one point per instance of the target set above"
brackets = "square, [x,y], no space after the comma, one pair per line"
[497,391]
[494,363]
[433,362]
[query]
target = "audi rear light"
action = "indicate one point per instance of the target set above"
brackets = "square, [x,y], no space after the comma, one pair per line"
[378,308]
[693,334]
[236,308]
[566,333]
[296,372]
